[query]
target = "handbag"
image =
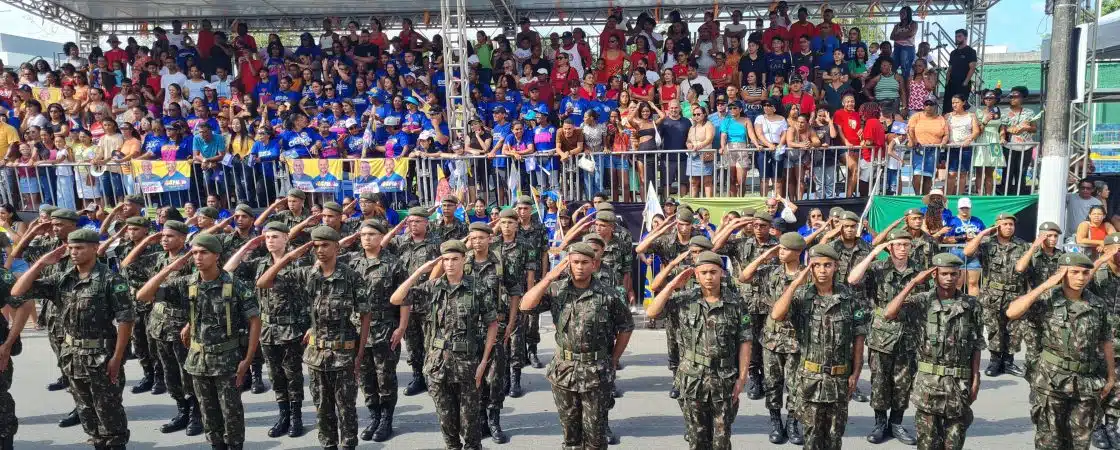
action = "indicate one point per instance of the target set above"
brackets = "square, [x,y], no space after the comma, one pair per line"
[657,137]
[585,163]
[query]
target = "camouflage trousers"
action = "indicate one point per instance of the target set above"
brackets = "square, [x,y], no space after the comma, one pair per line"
[335,394]
[100,406]
[55,334]
[581,417]
[756,363]
[1001,338]
[1061,423]
[9,424]
[457,405]
[223,415]
[495,385]
[285,369]
[519,340]
[1111,403]
[1032,340]
[780,372]
[379,375]
[143,346]
[824,424]
[672,341]
[708,423]
[414,339]
[172,356]
[937,432]
[892,376]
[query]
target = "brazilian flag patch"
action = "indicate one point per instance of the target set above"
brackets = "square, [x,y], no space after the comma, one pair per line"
[746,320]
[120,287]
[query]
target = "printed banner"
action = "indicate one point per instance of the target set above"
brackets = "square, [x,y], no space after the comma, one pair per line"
[47,96]
[162,176]
[316,175]
[379,175]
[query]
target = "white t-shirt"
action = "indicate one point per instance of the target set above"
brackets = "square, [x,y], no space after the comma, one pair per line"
[1077,211]
[700,80]
[173,78]
[193,89]
[772,130]
[573,58]
[175,40]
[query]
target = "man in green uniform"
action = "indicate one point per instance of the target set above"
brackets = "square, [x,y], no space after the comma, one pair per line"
[167,319]
[220,355]
[454,305]
[892,342]
[135,230]
[127,209]
[334,346]
[668,247]
[513,253]
[950,339]
[1106,285]
[780,344]
[535,236]
[290,217]
[850,247]
[507,269]
[89,298]
[1038,263]
[232,241]
[593,326]
[10,345]
[924,246]
[715,332]
[414,249]
[1068,381]
[448,226]
[831,325]
[998,255]
[284,321]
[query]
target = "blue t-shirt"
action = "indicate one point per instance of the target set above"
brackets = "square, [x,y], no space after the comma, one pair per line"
[960,228]
[575,109]
[778,64]
[280,96]
[297,144]
[153,143]
[540,108]
[551,221]
[500,133]
[849,49]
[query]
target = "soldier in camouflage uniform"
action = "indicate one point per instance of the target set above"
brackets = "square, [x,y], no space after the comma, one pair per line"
[923,246]
[89,298]
[951,338]
[448,226]
[10,345]
[593,327]
[414,249]
[127,209]
[284,312]
[335,346]
[513,253]
[1068,381]
[715,333]
[831,325]
[892,342]
[134,232]
[243,232]
[290,217]
[852,249]
[220,354]
[535,237]
[998,255]
[668,247]
[780,344]
[387,324]
[455,306]
[1038,263]
[1106,285]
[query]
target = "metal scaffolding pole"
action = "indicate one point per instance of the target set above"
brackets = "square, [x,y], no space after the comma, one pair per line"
[455,69]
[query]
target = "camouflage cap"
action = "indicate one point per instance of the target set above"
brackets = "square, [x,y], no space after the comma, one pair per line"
[508,213]
[297,193]
[65,214]
[823,251]
[176,226]
[684,216]
[915,212]
[584,249]
[138,221]
[1075,260]
[792,241]
[325,233]
[592,238]
[418,211]
[763,216]
[277,226]
[333,206]
[481,226]
[700,241]
[707,257]
[135,199]
[1112,238]
[242,208]
[835,212]
[849,216]
[1006,215]
[453,246]
[524,200]
[898,234]
[606,216]
[83,236]
[947,260]
[207,242]
[1049,226]
[209,212]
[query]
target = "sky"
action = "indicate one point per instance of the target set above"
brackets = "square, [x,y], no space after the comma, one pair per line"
[1020,29]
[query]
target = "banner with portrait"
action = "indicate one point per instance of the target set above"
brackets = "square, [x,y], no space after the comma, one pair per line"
[316,175]
[46,96]
[379,175]
[162,176]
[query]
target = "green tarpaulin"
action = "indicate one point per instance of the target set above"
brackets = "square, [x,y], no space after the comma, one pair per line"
[885,210]
[721,205]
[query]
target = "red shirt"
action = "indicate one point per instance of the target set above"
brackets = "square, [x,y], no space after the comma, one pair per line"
[247,41]
[668,94]
[605,38]
[586,94]
[769,35]
[117,54]
[835,29]
[205,43]
[153,82]
[718,72]
[797,29]
[849,125]
[650,57]
[805,102]
[248,71]
[680,70]
[560,81]
[642,90]
[874,132]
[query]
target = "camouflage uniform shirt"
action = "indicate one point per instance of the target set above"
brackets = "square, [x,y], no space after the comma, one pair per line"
[710,335]
[382,275]
[826,329]
[334,298]
[452,314]
[951,331]
[1072,332]
[220,310]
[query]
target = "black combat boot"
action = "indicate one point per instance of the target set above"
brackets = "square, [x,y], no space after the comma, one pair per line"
[417,385]
[778,432]
[1099,437]
[374,419]
[385,427]
[58,384]
[1111,431]
[219,446]
[879,433]
[7,442]
[179,422]
[70,419]
[754,385]
[1009,366]
[674,393]
[494,422]
[295,428]
[793,430]
[898,431]
[158,386]
[194,426]
[616,392]
[145,383]
[612,439]
[281,426]
[258,385]
[515,383]
[995,365]
[533,359]
[483,426]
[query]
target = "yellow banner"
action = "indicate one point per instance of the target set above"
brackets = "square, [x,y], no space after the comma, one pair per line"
[162,176]
[316,175]
[379,175]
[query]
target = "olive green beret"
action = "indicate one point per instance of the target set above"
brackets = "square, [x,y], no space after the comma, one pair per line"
[898,234]
[333,206]
[47,209]
[592,238]
[1006,215]
[525,200]
[418,211]
[835,212]
[371,196]
[207,242]
[915,212]
[277,226]
[604,206]
[947,260]
[451,199]
[453,246]
[481,226]
[209,212]
[848,215]
[138,221]
[83,236]
[508,213]
[606,216]
[135,199]
[65,214]
[1112,238]
[824,251]
[685,216]
[1075,260]
[792,241]
[700,241]
[376,224]
[583,249]
[243,209]
[1049,226]
[763,216]
[297,193]
[748,212]
[707,257]
[177,226]
[325,233]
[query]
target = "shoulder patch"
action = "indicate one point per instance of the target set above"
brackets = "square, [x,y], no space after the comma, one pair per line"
[746,320]
[120,287]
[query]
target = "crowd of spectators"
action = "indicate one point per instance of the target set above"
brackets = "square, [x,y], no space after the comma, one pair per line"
[768,99]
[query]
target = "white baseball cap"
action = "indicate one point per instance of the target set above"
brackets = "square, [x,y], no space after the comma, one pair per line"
[964,202]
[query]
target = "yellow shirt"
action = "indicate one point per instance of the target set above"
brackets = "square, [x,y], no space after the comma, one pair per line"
[240,147]
[8,136]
